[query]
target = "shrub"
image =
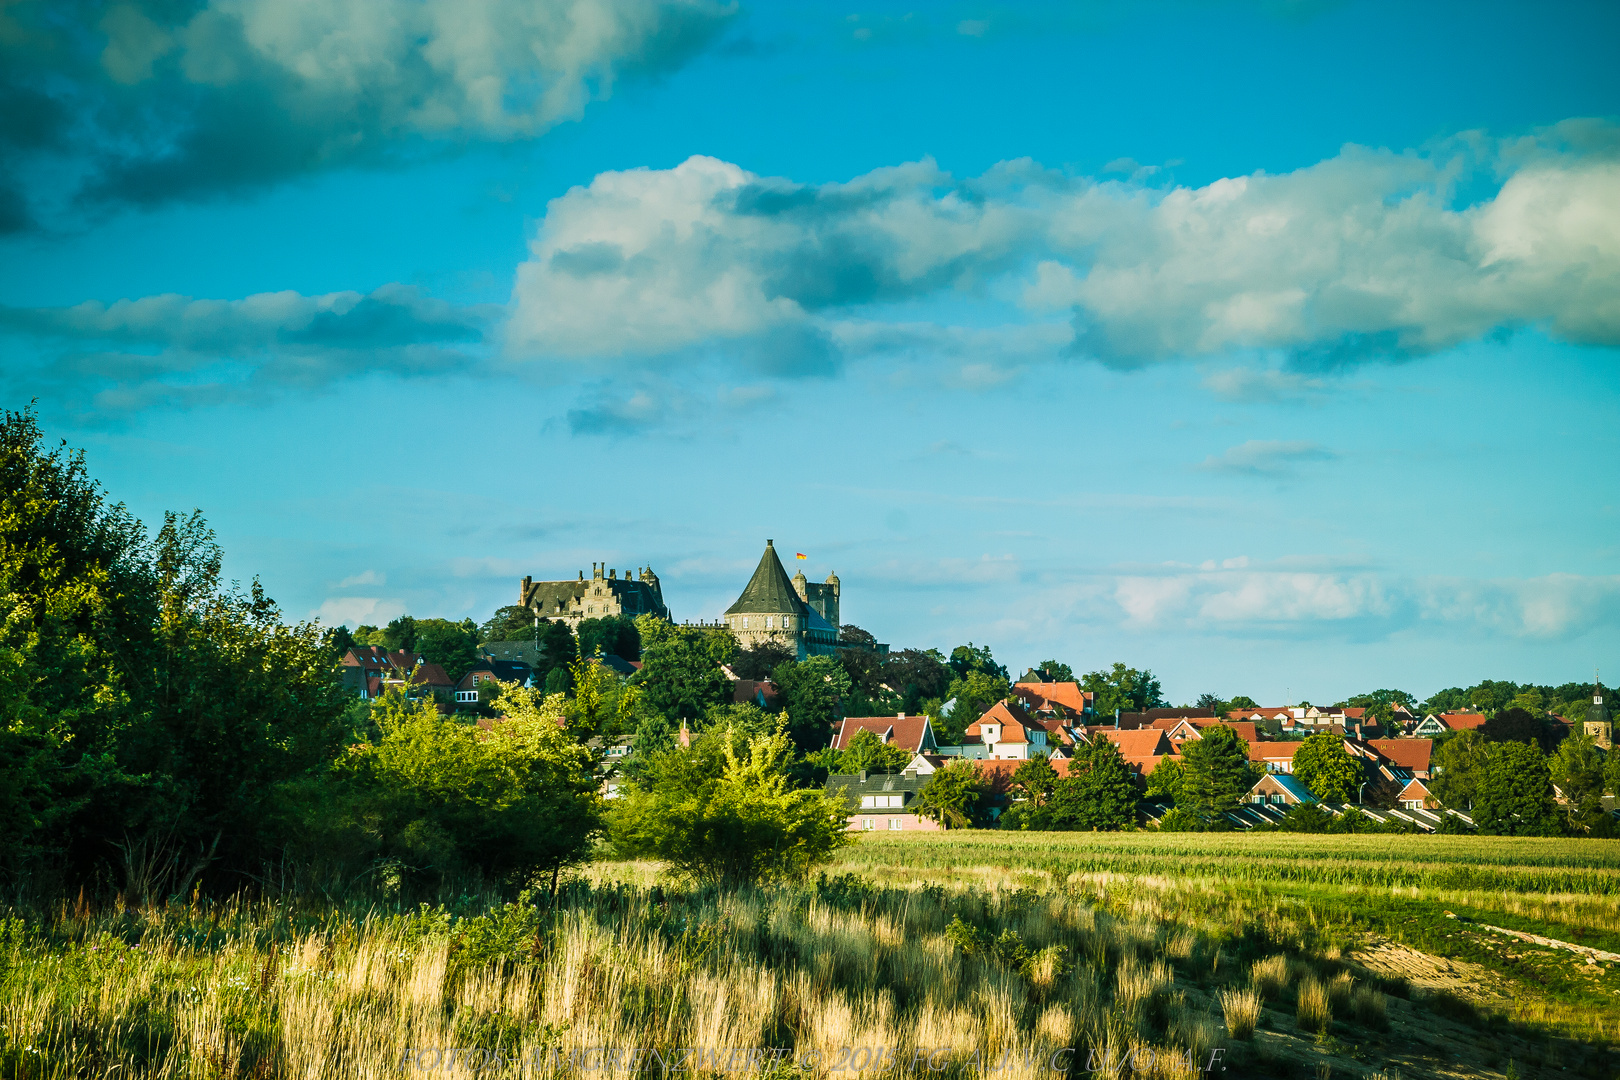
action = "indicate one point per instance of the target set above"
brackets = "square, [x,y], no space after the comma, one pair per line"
[1314,1011]
[1270,976]
[1242,1011]
[1339,991]
[1368,1007]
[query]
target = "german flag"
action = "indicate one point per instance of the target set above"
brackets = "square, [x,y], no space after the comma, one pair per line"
[800,555]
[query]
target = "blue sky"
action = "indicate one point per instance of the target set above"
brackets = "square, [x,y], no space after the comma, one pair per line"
[1268,345]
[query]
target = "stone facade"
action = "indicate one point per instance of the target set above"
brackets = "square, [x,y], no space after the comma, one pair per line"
[1597,723]
[606,593]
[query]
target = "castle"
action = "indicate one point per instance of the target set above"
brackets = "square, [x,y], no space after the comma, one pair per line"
[798,614]
[606,593]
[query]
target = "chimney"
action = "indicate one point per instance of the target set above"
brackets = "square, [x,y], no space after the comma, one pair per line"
[863,776]
[901,715]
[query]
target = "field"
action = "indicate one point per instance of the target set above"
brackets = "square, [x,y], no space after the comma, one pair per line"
[963,954]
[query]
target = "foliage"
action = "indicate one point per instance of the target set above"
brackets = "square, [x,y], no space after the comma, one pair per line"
[451,645]
[680,668]
[1216,774]
[1034,779]
[866,752]
[1242,701]
[869,693]
[1165,779]
[1099,791]
[975,693]
[511,623]
[1323,764]
[1053,671]
[1458,765]
[604,703]
[610,635]
[916,675]
[1123,689]
[969,658]
[1577,769]
[812,693]
[727,812]
[1514,796]
[955,797]
[448,799]
[758,661]
[1515,724]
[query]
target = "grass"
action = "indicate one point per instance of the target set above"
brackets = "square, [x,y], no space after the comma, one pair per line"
[990,948]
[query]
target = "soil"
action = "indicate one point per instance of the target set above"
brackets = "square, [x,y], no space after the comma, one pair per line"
[1471,982]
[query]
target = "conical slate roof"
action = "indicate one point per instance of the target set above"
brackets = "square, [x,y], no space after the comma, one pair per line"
[769,592]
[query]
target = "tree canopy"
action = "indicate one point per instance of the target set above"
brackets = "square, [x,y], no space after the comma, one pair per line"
[1123,689]
[1216,774]
[1323,764]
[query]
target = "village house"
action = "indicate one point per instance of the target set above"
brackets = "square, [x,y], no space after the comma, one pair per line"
[1432,726]
[1280,789]
[498,671]
[881,802]
[911,733]
[371,670]
[1004,732]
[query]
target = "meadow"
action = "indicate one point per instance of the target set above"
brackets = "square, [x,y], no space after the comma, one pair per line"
[950,955]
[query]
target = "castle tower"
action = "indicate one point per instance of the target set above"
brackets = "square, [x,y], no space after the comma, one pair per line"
[770,608]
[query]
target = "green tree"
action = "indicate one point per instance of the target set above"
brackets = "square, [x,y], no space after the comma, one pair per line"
[1515,725]
[1099,791]
[1124,689]
[1216,775]
[1515,796]
[1054,671]
[969,658]
[511,623]
[400,634]
[610,635]
[954,796]
[811,695]
[720,813]
[866,752]
[1323,764]
[451,645]
[1242,701]
[917,675]
[1459,764]
[1577,770]
[1034,779]
[975,693]
[758,661]
[1165,779]
[680,674]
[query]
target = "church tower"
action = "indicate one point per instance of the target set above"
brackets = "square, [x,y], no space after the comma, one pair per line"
[1597,720]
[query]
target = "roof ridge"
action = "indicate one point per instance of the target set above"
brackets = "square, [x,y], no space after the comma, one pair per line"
[768,590]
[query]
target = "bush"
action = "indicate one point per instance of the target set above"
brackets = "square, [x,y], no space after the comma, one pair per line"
[1314,1011]
[1270,976]
[1242,1011]
[1369,1008]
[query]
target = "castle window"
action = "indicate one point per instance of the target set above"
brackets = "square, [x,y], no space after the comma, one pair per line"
[745,622]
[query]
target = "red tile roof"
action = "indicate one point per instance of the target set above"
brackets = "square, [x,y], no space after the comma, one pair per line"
[1140,743]
[905,732]
[1407,753]
[1274,751]
[1461,721]
[1067,694]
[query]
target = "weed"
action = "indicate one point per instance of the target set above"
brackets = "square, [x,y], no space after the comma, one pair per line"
[1313,1011]
[1241,1009]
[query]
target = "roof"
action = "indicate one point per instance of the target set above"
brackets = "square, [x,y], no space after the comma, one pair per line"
[1407,753]
[1138,743]
[1414,789]
[853,786]
[1014,721]
[769,590]
[1147,717]
[1288,783]
[753,690]
[1245,729]
[614,663]
[371,656]
[1057,731]
[1462,721]
[1274,751]
[1067,694]
[430,675]
[905,732]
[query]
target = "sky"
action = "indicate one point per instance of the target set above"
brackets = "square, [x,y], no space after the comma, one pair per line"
[1269,345]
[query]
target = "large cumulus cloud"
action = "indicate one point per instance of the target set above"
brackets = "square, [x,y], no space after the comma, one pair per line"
[148,100]
[1372,253]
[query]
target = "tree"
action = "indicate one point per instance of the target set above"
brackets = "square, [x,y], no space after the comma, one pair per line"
[969,658]
[811,693]
[1213,703]
[1099,791]
[728,814]
[610,635]
[680,675]
[511,623]
[1242,701]
[758,661]
[1054,671]
[400,634]
[1216,774]
[1123,689]
[604,703]
[868,753]
[851,634]
[917,675]
[1165,779]
[1034,779]
[1323,764]
[1516,725]
[1459,763]
[451,645]
[869,694]
[1515,796]
[1577,770]
[954,797]
[975,693]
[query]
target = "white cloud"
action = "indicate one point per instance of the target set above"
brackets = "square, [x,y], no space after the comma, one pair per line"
[365,577]
[352,611]
[1364,255]
[1262,384]
[1266,457]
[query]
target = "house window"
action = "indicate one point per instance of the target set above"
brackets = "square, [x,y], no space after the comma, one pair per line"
[1258,799]
[866,823]
[894,823]
[1278,799]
